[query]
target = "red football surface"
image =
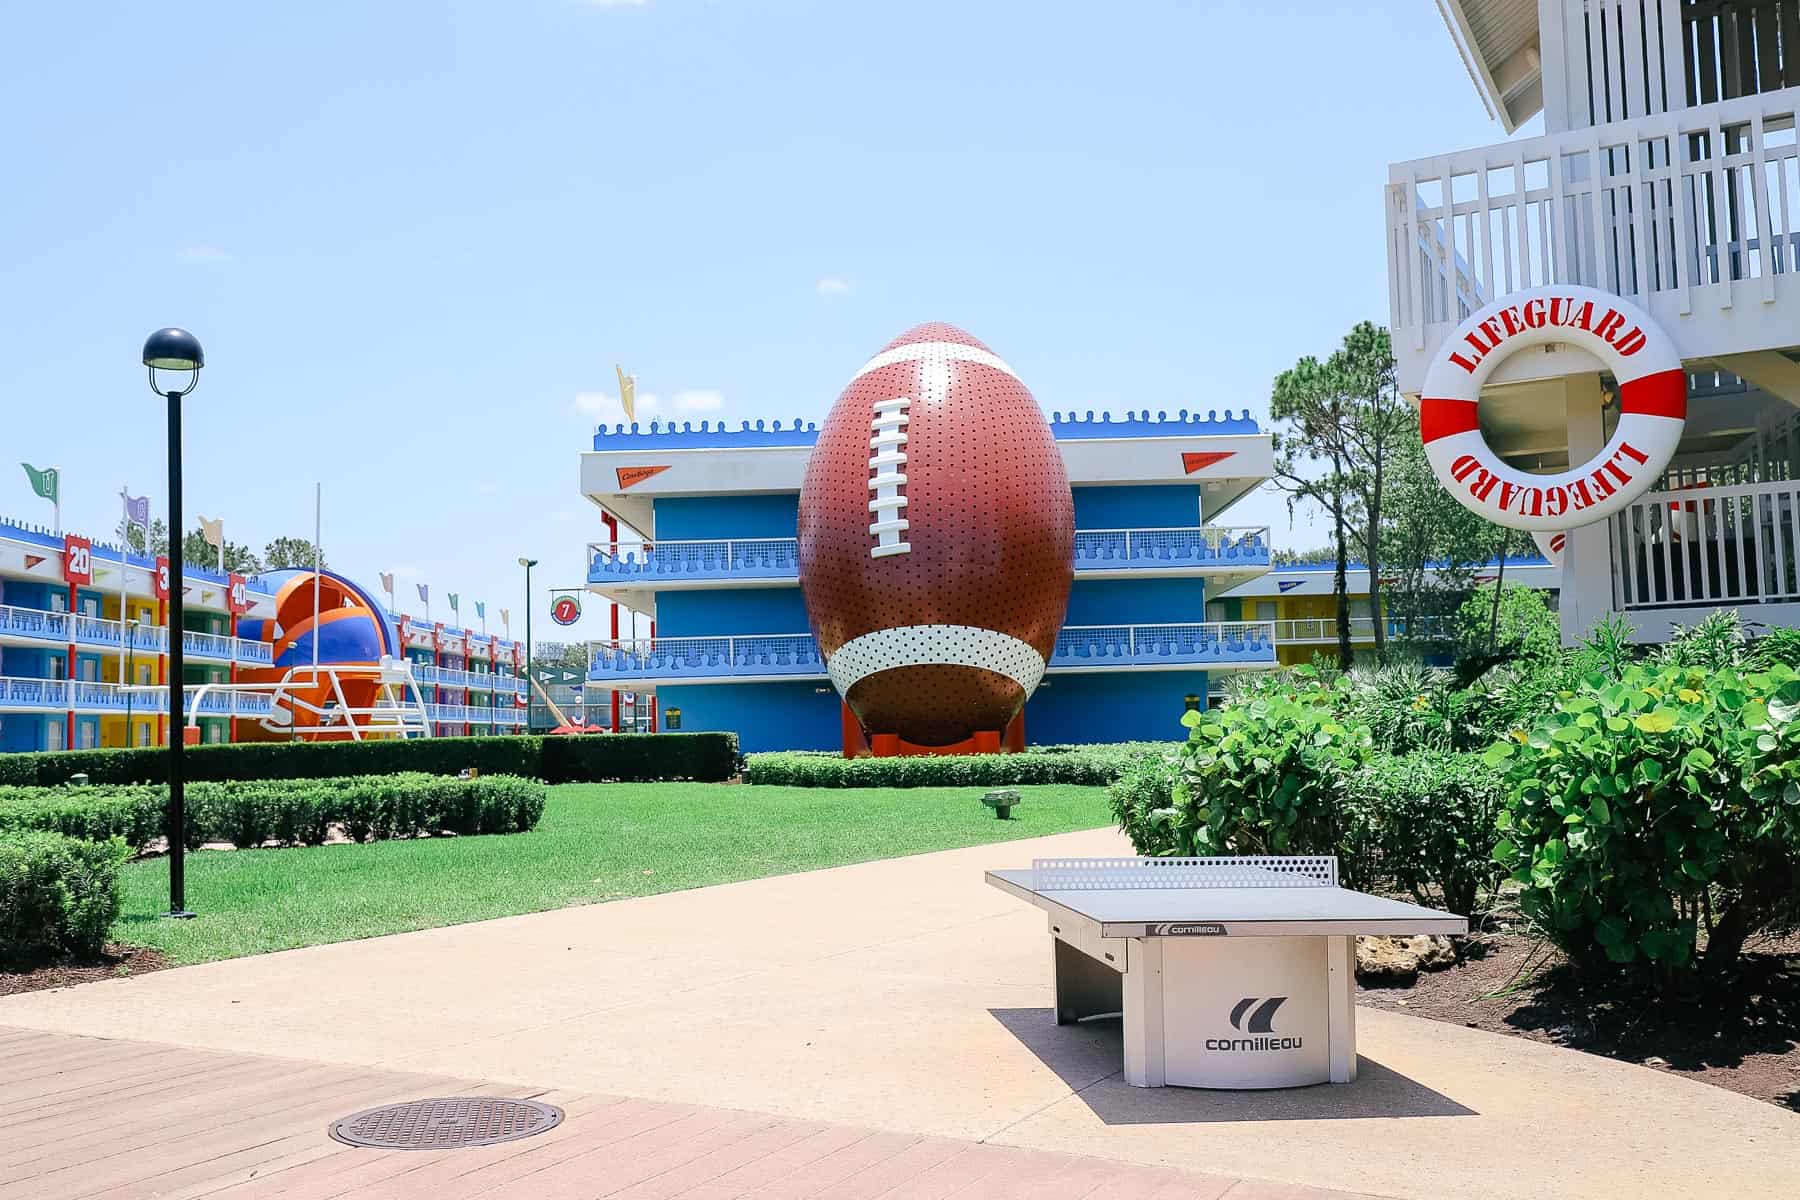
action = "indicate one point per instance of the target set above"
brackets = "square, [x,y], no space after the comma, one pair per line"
[936,540]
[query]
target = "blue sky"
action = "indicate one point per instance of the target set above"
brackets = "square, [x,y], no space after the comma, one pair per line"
[415,237]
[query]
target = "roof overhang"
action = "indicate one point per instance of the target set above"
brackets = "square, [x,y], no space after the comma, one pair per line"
[1498,41]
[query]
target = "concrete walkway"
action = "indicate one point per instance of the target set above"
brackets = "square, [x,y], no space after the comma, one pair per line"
[906,996]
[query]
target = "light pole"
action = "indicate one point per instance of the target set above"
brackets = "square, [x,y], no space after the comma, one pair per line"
[528,563]
[175,351]
[130,676]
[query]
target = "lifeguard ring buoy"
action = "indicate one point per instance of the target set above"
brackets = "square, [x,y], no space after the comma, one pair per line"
[1550,545]
[1652,408]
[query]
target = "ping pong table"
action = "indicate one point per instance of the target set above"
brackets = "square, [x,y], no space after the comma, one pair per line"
[1228,972]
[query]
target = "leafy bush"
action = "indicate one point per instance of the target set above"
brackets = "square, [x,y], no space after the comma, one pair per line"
[289,812]
[578,759]
[1099,764]
[1527,628]
[1142,802]
[1423,823]
[1655,817]
[58,894]
[1268,776]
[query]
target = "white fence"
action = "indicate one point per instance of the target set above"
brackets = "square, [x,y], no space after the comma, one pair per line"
[1663,206]
[1710,546]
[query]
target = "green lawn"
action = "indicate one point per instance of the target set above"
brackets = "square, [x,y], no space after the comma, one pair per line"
[595,842]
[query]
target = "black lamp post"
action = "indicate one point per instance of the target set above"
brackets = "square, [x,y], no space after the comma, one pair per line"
[178,352]
[528,563]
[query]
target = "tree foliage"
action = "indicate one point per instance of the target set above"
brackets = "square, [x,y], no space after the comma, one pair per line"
[1340,423]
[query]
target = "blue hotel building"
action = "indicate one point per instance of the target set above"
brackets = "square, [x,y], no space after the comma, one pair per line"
[701,540]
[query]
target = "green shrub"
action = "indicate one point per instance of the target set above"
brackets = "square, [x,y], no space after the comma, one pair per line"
[1094,765]
[290,812]
[1527,628]
[708,757]
[1423,823]
[58,894]
[1656,817]
[134,814]
[1142,802]
[1267,776]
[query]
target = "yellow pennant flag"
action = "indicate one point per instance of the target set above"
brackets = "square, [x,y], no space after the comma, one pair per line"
[213,531]
[627,392]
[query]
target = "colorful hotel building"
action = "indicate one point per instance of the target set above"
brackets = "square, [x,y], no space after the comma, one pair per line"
[702,541]
[64,651]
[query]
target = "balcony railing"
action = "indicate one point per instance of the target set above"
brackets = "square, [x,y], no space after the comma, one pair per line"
[1163,549]
[778,558]
[1078,648]
[92,696]
[1095,647]
[1362,629]
[474,681]
[1669,210]
[53,628]
[1709,546]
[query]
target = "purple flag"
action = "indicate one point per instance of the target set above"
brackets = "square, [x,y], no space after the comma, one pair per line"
[424,594]
[137,509]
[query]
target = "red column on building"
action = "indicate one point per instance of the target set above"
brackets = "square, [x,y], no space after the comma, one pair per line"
[652,695]
[237,602]
[437,660]
[162,620]
[78,568]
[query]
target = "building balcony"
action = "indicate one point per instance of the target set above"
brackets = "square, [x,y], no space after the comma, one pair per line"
[45,627]
[475,681]
[503,716]
[1216,645]
[1324,630]
[1694,215]
[56,695]
[1228,555]
[1708,546]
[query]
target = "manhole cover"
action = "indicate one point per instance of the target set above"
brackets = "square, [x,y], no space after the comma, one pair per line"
[446,1124]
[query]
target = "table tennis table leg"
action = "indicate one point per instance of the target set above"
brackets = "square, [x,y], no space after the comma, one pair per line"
[1144,1060]
[1340,1006]
[1085,987]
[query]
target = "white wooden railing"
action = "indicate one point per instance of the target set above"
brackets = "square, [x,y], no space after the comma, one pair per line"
[1709,546]
[1669,209]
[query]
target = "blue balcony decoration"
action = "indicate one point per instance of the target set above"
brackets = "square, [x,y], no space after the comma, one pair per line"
[1072,426]
[1089,648]
[710,435]
[778,558]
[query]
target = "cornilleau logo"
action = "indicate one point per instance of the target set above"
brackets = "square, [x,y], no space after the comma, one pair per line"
[1257,1022]
[1188,929]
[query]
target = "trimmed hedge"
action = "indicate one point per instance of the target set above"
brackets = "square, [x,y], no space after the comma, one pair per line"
[289,812]
[589,758]
[1097,765]
[58,894]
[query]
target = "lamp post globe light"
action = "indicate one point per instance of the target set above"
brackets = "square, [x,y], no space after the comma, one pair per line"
[177,353]
[527,563]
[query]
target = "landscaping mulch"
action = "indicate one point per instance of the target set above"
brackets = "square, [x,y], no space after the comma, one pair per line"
[1744,1037]
[115,962]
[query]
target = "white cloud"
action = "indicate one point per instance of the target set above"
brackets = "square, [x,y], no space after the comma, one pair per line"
[202,254]
[832,286]
[698,401]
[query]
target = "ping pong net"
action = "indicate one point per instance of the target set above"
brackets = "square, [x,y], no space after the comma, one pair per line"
[1136,874]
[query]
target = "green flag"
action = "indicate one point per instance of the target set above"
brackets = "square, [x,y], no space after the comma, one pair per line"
[452,601]
[42,482]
